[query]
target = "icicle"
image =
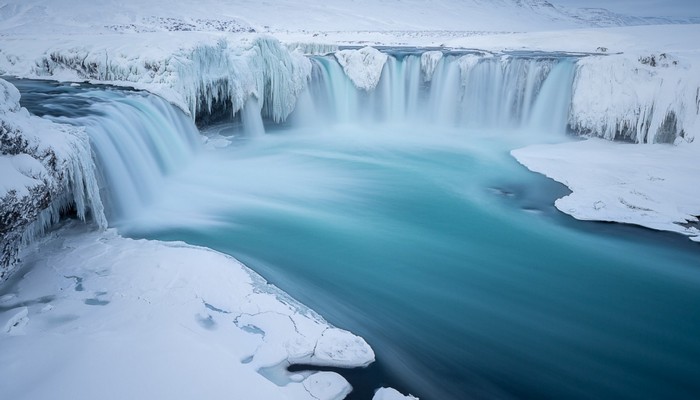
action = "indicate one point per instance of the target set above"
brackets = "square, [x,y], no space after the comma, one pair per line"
[284,77]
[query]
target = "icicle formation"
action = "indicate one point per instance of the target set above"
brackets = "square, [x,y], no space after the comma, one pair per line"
[48,168]
[138,140]
[200,79]
[649,100]
[473,91]
[217,76]
[284,77]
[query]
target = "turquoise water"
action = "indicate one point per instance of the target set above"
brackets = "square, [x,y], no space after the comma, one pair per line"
[448,257]
[437,247]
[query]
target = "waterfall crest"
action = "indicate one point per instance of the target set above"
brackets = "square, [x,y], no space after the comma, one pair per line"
[472,91]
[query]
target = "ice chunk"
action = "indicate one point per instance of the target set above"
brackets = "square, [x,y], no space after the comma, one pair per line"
[391,394]
[363,66]
[327,386]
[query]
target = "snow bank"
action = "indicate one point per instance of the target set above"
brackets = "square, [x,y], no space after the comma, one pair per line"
[46,168]
[197,73]
[95,315]
[655,186]
[363,66]
[652,98]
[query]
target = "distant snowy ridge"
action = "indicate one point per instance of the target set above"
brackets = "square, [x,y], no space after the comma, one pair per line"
[605,18]
[30,17]
[46,168]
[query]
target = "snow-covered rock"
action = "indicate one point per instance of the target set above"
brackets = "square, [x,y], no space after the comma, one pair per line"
[97,315]
[363,67]
[46,168]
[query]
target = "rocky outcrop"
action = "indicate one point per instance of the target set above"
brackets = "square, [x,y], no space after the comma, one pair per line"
[47,169]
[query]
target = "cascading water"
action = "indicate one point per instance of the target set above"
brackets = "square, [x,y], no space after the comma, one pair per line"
[437,247]
[468,92]
[138,139]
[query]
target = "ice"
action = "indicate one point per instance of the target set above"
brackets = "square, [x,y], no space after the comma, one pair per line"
[313,48]
[655,186]
[154,295]
[391,394]
[428,62]
[46,168]
[646,102]
[327,386]
[649,99]
[14,321]
[475,91]
[363,66]
[197,74]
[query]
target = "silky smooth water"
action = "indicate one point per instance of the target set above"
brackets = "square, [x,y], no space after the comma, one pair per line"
[447,256]
[450,260]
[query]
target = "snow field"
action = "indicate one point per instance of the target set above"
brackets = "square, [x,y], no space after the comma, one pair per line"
[104,316]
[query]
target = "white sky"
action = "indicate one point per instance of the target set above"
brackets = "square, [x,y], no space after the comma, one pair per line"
[644,8]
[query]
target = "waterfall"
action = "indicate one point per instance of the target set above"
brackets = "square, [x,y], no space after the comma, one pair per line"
[471,92]
[138,140]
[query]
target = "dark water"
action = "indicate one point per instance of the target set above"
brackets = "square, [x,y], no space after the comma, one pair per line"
[448,257]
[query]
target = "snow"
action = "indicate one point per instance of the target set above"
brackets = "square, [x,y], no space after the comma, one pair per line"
[159,312]
[391,394]
[363,66]
[97,315]
[429,61]
[654,185]
[20,172]
[652,99]
[274,16]
[194,71]
[46,167]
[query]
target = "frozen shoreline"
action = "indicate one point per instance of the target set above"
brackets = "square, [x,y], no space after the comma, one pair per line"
[101,315]
[168,334]
[652,185]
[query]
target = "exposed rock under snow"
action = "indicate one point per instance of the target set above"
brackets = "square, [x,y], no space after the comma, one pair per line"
[46,168]
[654,185]
[363,67]
[95,315]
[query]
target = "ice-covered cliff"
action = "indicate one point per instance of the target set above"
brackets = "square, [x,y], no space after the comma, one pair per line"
[652,98]
[198,73]
[47,168]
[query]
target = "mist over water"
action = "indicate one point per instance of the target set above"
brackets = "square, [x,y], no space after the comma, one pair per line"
[451,261]
[401,216]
